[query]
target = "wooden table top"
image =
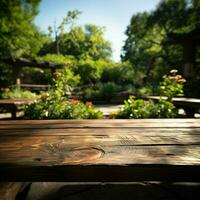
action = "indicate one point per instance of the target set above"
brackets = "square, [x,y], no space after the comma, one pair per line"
[100,150]
[15,101]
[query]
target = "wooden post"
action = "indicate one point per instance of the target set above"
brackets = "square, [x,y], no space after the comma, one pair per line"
[189,50]
[188,59]
[14,111]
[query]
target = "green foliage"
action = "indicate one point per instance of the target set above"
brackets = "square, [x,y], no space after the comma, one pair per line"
[172,85]
[67,21]
[82,43]
[146,109]
[18,35]
[63,82]
[86,42]
[120,73]
[16,93]
[109,79]
[54,105]
[108,90]
[30,75]
[146,90]
[147,44]
[6,75]
[62,109]
[47,78]
[102,91]
[58,59]
[176,15]
[58,31]
[89,70]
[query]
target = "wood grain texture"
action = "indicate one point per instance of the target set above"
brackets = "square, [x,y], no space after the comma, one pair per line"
[108,123]
[100,150]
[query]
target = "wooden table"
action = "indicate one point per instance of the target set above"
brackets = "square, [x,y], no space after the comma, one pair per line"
[12,105]
[100,150]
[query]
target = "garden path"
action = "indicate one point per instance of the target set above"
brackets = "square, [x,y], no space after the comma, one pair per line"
[107,109]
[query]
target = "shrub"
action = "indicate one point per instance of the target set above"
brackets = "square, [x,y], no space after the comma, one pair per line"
[54,105]
[63,82]
[102,91]
[146,90]
[172,85]
[89,70]
[145,109]
[121,73]
[108,90]
[16,93]
[91,94]
[62,109]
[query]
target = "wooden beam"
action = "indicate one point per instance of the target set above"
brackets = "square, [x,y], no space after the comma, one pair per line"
[24,62]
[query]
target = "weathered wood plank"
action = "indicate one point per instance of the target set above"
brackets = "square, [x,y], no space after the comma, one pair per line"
[107,121]
[97,150]
[149,131]
[116,138]
[160,123]
[115,151]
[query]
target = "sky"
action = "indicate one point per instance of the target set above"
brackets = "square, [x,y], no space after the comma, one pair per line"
[114,15]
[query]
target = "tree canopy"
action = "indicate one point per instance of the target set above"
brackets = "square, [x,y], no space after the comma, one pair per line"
[81,42]
[18,34]
[145,46]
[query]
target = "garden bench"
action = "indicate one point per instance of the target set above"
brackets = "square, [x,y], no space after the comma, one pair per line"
[190,105]
[100,150]
[13,105]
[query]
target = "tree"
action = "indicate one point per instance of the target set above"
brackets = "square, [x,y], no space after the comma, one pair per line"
[18,34]
[59,30]
[87,42]
[146,47]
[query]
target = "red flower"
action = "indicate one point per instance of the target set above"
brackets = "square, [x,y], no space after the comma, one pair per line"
[75,101]
[88,103]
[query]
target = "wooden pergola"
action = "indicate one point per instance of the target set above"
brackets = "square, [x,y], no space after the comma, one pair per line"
[18,63]
[189,41]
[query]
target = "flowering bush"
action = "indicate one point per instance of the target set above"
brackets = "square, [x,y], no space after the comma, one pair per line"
[55,105]
[63,82]
[172,85]
[61,110]
[139,108]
